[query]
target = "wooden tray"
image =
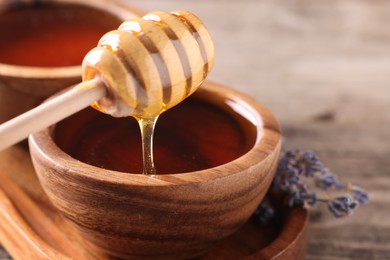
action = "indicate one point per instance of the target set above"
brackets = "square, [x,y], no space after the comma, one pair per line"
[30,227]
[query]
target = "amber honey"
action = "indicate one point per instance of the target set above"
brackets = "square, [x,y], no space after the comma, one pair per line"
[192,136]
[51,35]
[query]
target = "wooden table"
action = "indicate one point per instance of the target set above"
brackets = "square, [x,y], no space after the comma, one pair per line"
[323,67]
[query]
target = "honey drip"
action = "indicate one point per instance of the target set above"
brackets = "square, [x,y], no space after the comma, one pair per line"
[147,130]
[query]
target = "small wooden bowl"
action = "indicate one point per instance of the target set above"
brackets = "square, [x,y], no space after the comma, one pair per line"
[24,87]
[163,216]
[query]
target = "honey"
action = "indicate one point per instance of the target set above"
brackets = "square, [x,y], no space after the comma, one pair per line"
[194,135]
[146,126]
[51,35]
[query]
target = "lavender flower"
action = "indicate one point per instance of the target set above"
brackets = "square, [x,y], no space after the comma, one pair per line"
[342,206]
[297,170]
[264,213]
[311,199]
[326,180]
[360,195]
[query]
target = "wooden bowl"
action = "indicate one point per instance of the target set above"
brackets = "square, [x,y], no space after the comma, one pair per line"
[163,216]
[24,87]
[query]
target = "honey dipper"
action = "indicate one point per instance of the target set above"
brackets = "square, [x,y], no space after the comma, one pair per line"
[147,66]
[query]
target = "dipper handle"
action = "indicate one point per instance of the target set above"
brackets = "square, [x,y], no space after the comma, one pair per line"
[50,112]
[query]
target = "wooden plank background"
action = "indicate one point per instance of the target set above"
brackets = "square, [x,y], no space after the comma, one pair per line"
[323,67]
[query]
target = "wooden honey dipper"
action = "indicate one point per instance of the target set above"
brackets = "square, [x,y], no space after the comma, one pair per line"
[147,66]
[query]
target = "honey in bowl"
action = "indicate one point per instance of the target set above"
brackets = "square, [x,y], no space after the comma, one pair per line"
[195,135]
[51,34]
[168,216]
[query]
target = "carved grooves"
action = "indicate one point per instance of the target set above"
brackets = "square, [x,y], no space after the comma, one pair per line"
[139,82]
[197,37]
[158,18]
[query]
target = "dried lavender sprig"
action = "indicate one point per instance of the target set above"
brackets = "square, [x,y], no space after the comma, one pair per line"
[359,194]
[342,206]
[297,169]
[264,212]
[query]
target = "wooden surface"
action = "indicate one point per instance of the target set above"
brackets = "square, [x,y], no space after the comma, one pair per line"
[323,67]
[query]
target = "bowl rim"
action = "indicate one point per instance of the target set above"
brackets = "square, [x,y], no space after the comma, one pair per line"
[114,7]
[267,145]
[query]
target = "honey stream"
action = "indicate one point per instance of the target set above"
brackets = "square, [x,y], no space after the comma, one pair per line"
[147,126]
